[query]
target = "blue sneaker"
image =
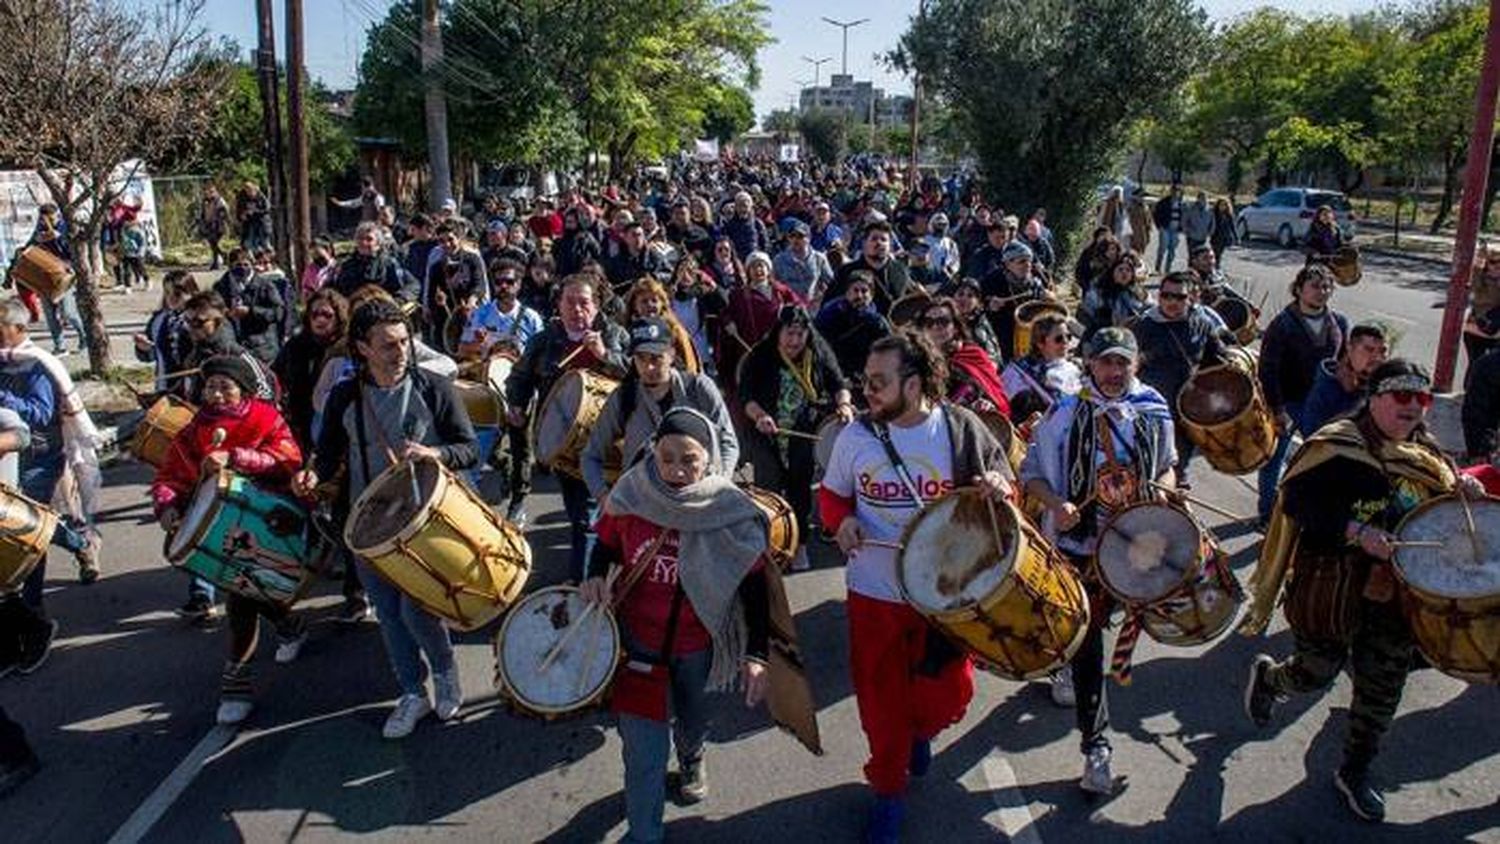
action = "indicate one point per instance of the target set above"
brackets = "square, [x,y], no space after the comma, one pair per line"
[884,826]
[921,757]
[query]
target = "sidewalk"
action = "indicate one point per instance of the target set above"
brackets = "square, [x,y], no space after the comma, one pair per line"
[1414,244]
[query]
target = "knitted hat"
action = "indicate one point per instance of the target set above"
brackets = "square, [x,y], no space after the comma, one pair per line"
[689,423]
[233,367]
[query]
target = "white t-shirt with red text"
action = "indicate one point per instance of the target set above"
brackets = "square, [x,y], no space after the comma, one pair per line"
[861,470]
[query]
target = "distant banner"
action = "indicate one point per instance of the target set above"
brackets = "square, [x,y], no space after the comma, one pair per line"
[790,153]
[706,150]
[22,192]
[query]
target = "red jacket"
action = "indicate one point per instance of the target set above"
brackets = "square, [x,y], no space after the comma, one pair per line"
[259,442]
[753,316]
[644,612]
[980,369]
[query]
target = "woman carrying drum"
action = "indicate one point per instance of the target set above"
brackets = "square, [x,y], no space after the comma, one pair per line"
[791,380]
[1343,496]
[972,378]
[689,547]
[233,430]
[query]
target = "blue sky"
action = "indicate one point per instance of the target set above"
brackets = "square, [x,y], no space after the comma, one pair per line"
[336,33]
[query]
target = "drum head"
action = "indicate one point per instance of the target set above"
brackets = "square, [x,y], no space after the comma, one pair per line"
[387,507]
[949,560]
[1148,550]
[1236,312]
[828,434]
[1452,570]
[199,515]
[909,308]
[496,371]
[558,413]
[1215,396]
[579,672]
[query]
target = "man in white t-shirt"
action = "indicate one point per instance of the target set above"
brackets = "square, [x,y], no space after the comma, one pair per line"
[909,681]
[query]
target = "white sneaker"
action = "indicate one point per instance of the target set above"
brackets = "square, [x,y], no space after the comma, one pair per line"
[1097,777]
[287,649]
[449,696]
[234,710]
[1062,687]
[409,710]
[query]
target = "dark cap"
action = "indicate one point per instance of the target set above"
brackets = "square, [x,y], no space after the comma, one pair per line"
[651,335]
[1113,341]
[235,368]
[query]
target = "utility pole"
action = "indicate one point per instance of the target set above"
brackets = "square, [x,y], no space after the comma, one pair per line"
[817,68]
[1476,175]
[846,26]
[436,105]
[296,49]
[270,105]
[916,108]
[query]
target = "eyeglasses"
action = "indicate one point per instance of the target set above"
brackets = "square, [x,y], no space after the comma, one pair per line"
[506,279]
[937,322]
[1175,297]
[1408,396]
[1059,338]
[199,322]
[321,315]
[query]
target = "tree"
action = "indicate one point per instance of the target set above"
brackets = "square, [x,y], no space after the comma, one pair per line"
[823,132]
[728,115]
[87,86]
[781,120]
[1046,90]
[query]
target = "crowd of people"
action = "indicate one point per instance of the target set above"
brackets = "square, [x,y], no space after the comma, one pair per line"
[745,316]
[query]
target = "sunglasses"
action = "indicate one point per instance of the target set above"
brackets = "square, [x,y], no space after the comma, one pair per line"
[1404,397]
[1059,338]
[201,321]
[506,279]
[1174,297]
[322,315]
[937,322]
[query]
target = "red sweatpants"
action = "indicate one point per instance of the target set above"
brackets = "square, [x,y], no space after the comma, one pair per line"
[898,706]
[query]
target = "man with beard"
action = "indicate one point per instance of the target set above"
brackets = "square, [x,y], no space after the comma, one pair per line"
[634,260]
[909,681]
[744,230]
[1007,288]
[1095,453]
[456,281]
[1342,381]
[890,276]
[851,324]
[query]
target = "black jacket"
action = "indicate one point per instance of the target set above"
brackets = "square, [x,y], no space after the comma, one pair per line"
[892,281]
[1290,355]
[381,270]
[298,366]
[459,449]
[536,371]
[1481,411]
[761,381]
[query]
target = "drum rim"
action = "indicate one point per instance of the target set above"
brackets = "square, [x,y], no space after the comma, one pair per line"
[784,510]
[509,689]
[832,419]
[1197,568]
[1039,306]
[541,413]
[417,522]
[988,599]
[1426,594]
[221,481]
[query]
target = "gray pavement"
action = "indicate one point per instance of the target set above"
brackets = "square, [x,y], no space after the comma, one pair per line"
[122,716]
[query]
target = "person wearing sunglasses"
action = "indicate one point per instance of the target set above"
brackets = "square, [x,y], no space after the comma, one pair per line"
[1306,332]
[1176,339]
[1345,492]
[211,334]
[973,381]
[1035,382]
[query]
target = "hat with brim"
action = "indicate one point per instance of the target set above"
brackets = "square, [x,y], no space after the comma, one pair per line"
[650,335]
[1113,341]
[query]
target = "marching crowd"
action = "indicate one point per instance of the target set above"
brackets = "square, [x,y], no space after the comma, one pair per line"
[858,346]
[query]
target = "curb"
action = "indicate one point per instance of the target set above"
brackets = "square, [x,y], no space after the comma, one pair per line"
[1407,256]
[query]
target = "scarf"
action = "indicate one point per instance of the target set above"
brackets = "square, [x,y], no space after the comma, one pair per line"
[721,536]
[80,437]
[1140,411]
[977,367]
[1413,460]
[801,370]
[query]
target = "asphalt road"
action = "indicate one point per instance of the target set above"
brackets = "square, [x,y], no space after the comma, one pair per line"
[122,717]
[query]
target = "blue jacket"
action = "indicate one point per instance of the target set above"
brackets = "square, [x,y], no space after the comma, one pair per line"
[26,389]
[1327,399]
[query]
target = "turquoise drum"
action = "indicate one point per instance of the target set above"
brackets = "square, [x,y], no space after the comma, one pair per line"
[243,539]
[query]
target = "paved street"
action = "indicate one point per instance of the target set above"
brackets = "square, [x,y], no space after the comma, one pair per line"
[122,716]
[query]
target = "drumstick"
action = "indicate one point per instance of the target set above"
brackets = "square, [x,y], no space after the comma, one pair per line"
[181,373]
[590,649]
[880,543]
[783,432]
[736,335]
[1197,501]
[1463,499]
[569,357]
[567,636]
[1417,543]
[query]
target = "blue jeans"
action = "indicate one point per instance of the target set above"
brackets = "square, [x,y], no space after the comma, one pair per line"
[39,478]
[1270,474]
[1166,244]
[66,310]
[200,588]
[579,506]
[409,631]
[645,743]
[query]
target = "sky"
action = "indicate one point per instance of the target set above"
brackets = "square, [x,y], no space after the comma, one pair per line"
[336,33]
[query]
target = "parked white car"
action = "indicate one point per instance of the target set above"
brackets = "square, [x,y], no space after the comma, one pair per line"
[1283,214]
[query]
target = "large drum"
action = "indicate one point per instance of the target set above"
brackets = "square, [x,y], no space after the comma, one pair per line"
[578,676]
[154,435]
[485,407]
[784,538]
[1224,413]
[1010,600]
[432,537]
[26,529]
[567,417]
[243,539]
[828,434]
[1451,595]
[1240,316]
[1026,316]
[1164,568]
[44,272]
[1010,441]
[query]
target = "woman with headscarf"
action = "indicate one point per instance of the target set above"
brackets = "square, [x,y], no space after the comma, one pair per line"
[791,382]
[693,607]
[750,314]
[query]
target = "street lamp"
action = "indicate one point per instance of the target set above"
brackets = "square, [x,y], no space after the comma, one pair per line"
[846,26]
[817,68]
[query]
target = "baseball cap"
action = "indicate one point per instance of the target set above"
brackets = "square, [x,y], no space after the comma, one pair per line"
[799,229]
[650,335]
[1113,341]
[1015,250]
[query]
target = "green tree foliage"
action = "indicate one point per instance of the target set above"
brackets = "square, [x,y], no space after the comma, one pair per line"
[729,115]
[1046,91]
[781,120]
[541,81]
[823,131]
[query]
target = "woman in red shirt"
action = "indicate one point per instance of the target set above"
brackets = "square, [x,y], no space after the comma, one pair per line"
[694,620]
[255,442]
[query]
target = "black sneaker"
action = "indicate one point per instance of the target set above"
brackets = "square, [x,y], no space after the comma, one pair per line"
[355,611]
[1364,800]
[694,784]
[1260,698]
[516,515]
[12,775]
[197,608]
[34,653]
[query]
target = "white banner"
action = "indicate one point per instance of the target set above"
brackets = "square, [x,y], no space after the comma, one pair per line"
[22,192]
[706,149]
[790,153]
